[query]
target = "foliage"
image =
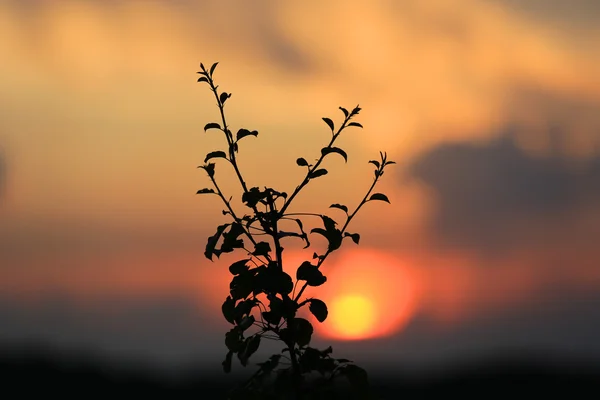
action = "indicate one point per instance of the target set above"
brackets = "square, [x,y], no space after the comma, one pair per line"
[263,302]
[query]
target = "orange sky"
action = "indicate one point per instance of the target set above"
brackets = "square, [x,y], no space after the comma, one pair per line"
[101,133]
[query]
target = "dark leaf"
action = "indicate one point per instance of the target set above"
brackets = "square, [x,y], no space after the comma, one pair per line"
[212,69]
[212,242]
[242,133]
[239,267]
[211,125]
[340,206]
[303,331]
[344,111]
[252,197]
[252,344]
[379,196]
[354,236]
[243,309]
[327,150]
[271,317]
[227,363]
[302,162]
[328,222]
[202,67]
[356,110]
[215,154]
[329,123]
[274,280]
[231,239]
[224,96]
[309,361]
[317,173]
[390,162]
[319,309]
[202,79]
[357,376]
[242,285]
[246,322]
[375,163]
[228,309]
[355,124]
[262,249]
[311,274]
[202,191]
[209,168]
[233,339]
[270,364]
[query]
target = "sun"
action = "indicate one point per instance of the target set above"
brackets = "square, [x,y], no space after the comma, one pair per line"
[369,294]
[353,314]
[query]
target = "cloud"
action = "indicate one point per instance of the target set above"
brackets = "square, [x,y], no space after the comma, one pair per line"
[578,14]
[492,196]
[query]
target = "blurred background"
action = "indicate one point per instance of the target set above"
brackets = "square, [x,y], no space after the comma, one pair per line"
[491,109]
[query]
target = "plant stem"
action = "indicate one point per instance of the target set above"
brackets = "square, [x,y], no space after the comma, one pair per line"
[314,168]
[321,260]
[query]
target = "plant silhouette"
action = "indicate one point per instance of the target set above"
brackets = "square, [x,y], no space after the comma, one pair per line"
[263,302]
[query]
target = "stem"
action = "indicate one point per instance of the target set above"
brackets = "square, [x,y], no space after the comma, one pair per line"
[311,170]
[235,217]
[362,203]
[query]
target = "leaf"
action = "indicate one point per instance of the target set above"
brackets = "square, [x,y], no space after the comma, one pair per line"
[232,339]
[227,363]
[355,124]
[212,242]
[246,322]
[327,150]
[228,309]
[224,96]
[239,267]
[215,154]
[252,344]
[317,173]
[319,309]
[390,162]
[262,249]
[242,133]
[209,168]
[354,236]
[356,110]
[212,69]
[357,376]
[303,331]
[340,206]
[302,162]
[379,196]
[231,239]
[274,280]
[375,163]
[211,125]
[329,122]
[242,285]
[311,274]
[205,190]
[244,308]
[344,111]
[202,79]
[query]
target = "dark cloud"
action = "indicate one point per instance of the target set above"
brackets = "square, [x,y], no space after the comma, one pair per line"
[578,14]
[487,192]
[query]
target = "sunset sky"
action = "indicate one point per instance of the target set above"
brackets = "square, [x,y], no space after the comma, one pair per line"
[491,109]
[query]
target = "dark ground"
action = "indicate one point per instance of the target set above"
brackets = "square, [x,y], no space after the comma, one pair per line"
[32,371]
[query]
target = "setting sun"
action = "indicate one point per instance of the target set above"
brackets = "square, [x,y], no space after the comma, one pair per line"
[354,316]
[369,295]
